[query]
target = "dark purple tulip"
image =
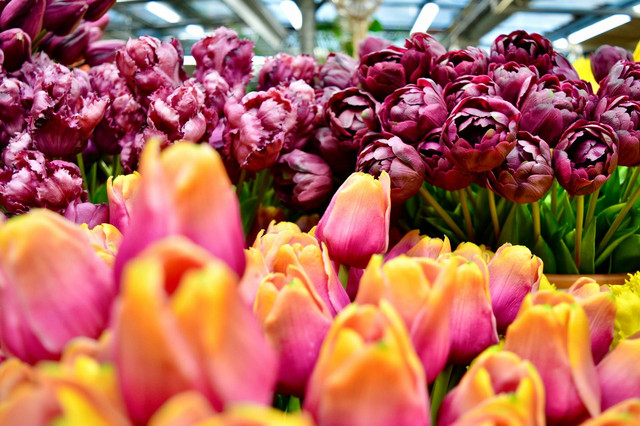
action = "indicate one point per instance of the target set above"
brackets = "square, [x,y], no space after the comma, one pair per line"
[2,73]
[24,14]
[16,47]
[523,48]
[216,91]
[322,98]
[132,147]
[63,16]
[383,152]
[339,71]
[603,59]
[283,68]
[623,79]
[623,115]
[380,73]
[468,86]
[342,161]
[97,8]
[526,174]
[349,112]
[480,132]
[562,68]
[302,180]
[456,63]
[511,78]
[585,157]
[422,52]
[18,144]
[439,171]
[302,97]
[15,102]
[258,127]
[106,80]
[227,54]
[581,95]
[67,50]
[372,44]
[86,212]
[103,51]
[413,111]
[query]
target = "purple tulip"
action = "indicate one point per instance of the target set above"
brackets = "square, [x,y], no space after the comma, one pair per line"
[623,79]
[480,132]
[456,63]
[349,112]
[468,86]
[106,80]
[15,102]
[63,16]
[283,68]
[581,95]
[103,51]
[526,174]
[380,73]
[24,14]
[216,91]
[132,147]
[439,171]
[511,78]
[258,127]
[384,152]
[227,54]
[562,68]
[422,52]
[302,180]
[85,212]
[603,59]
[17,145]
[16,47]
[31,70]
[339,70]
[302,97]
[585,157]
[372,44]
[67,50]
[342,161]
[32,181]
[523,48]
[97,8]
[413,111]
[623,115]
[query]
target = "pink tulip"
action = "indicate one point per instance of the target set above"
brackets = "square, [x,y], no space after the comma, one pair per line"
[619,373]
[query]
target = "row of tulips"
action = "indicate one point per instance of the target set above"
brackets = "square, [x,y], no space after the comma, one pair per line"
[162,317]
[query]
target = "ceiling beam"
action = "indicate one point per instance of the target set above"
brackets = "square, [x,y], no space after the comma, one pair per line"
[255,14]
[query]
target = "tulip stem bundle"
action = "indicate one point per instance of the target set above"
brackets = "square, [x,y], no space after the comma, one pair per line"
[443,214]
[631,183]
[593,201]
[464,202]
[494,215]
[240,184]
[579,226]
[85,182]
[554,197]
[535,212]
[616,223]
[439,391]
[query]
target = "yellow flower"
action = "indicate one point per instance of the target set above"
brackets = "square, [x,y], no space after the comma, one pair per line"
[583,67]
[628,308]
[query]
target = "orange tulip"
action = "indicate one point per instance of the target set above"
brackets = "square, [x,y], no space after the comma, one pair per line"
[415,245]
[121,193]
[626,413]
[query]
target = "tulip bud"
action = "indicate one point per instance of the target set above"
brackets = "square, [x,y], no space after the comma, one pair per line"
[605,57]
[367,372]
[88,213]
[63,16]
[24,14]
[623,79]
[121,193]
[302,180]
[356,224]
[16,47]
[619,374]
[283,68]
[422,52]
[338,71]
[439,171]
[415,245]
[97,8]
[103,51]
[551,329]
[67,50]
[523,48]
[372,44]
[105,240]
[45,257]
[351,112]
[381,72]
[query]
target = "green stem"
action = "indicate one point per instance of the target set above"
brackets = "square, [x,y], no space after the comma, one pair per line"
[107,171]
[116,167]
[554,197]
[616,223]
[439,391]
[82,172]
[591,211]
[631,184]
[494,214]
[471,197]
[535,212]
[343,275]
[443,214]
[579,223]
[464,202]
[241,179]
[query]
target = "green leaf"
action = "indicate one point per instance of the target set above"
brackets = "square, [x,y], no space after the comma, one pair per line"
[544,252]
[509,231]
[566,214]
[518,228]
[549,225]
[588,253]
[100,194]
[248,208]
[564,260]
[626,257]
[620,235]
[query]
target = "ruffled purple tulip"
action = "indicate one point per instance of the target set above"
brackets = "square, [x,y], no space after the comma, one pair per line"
[439,170]
[33,181]
[623,115]
[102,51]
[24,14]
[15,102]
[64,111]
[511,78]
[302,180]
[526,174]
[523,48]
[562,68]
[480,132]
[17,145]
[422,52]
[380,73]
[30,70]
[342,161]
[63,16]
[623,79]
[86,212]
[283,68]
[468,86]
[372,44]
[349,112]
[67,50]
[339,70]
[383,152]
[227,54]
[603,59]
[148,64]
[585,157]
[258,128]
[413,111]
[97,8]
[132,147]
[456,63]
[216,91]
[121,122]
[581,95]
[16,47]
[302,97]
[106,80]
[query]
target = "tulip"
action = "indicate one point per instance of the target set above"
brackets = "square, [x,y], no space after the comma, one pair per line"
[103,51]
[350,112]
[605,57]
[619,374]
[380,73]
[367,372]
[626,413]
[623,115]
[339,70]
[97,8]
[185,408]
[526,174]
[68,50]
[283,68]
[216,91]
[422,52]
[45,257]
[415,245]
[511,78]
[585,157]
[551,329]
[16,47]
[562,68]
[623,79]
[372,44]
[24,14]
[122,120]
[468,86]
[456,63]
[172,190]
[303,102]
[387,153]
[513,273]
[413,111]
[627,296]
[355,226]
[302,180]
[121,193]
[277,235]
[105,240]
[342,161]
[492,376]
[86,212]
[63,16]
[14,105]
[523,48]
[439,170]
[480,132]
[581,95]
